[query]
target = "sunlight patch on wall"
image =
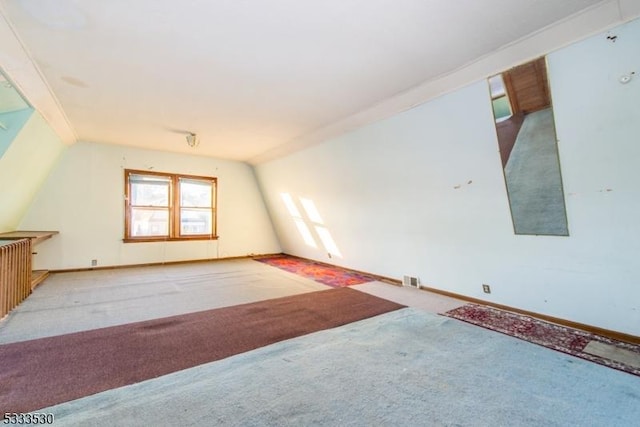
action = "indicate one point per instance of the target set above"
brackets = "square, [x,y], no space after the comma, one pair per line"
[327,241]
[311,220]
[311,210]
[302,227]
[291,206]
[305,232]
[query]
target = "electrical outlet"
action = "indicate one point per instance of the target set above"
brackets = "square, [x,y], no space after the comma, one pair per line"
[94,262]
[486,289]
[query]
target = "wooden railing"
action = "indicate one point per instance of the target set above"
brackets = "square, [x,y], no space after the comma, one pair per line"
[15,274]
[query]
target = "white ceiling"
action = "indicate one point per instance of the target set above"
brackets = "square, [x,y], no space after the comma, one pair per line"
[249,76]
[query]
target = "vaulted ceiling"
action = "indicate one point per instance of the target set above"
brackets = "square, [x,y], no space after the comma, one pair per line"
[249,76]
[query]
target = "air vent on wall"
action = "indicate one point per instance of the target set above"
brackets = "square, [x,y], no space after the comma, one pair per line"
[411,281]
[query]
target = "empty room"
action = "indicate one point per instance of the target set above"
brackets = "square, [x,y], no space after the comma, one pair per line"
[330,213]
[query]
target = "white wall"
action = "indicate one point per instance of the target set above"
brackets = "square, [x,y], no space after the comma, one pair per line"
[11,123]
[24,166]
[422,193]
[83,198]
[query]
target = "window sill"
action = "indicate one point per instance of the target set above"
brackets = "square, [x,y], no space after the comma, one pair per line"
[167,239]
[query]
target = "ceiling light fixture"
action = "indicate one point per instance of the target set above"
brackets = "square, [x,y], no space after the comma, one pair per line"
[193,140]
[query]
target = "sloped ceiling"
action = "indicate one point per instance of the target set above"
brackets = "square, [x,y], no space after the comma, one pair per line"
[251,76]
[10,99]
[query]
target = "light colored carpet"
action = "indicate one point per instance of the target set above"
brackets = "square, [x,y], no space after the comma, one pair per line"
[78,301]
[411,297]
[533,178]
[405,368]
[72,302]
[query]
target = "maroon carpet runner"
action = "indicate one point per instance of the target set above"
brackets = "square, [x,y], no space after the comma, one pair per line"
[43,372]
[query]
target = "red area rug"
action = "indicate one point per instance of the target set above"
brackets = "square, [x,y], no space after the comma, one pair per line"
[560,338]
[330,275]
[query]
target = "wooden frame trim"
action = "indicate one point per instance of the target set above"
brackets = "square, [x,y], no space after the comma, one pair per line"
[620,336]
[156,264]
[174,208]
[168,239]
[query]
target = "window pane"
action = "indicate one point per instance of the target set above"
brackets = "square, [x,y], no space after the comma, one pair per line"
[149,190]
[195,221]
[195,193]
[149,222]
[497,87]
[501,108]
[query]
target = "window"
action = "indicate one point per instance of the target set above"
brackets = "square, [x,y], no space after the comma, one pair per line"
[499,98]
[163,206]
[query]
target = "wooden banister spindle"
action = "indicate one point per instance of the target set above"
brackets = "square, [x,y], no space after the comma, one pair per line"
[15,274]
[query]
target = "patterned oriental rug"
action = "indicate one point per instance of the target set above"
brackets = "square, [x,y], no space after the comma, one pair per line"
[605,351]
[330,275]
